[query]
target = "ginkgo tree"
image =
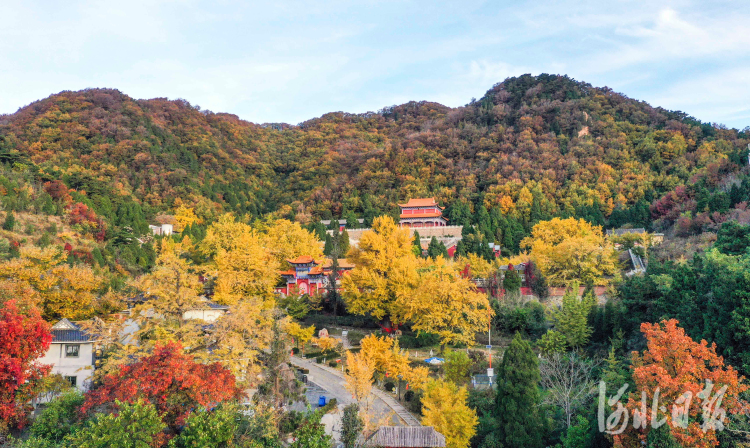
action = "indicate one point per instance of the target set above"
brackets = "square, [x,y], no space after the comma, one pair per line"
[571,249]
[300,334]
[386,272]
[445,303]
[42,277]
[391,283]
[387,359]
[172,290]
[245,259]
[444,408]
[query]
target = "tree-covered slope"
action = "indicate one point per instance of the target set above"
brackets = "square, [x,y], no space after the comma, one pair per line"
[532,147]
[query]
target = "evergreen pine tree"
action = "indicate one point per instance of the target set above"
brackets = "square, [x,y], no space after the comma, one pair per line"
[351,220]
[520,422]
[343,244]
[351,426]
[436,248]
[511,281]
[10,221]
[328,247]
[416,243]
[98,257]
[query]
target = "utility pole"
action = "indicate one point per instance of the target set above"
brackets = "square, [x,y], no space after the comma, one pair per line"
[490,370]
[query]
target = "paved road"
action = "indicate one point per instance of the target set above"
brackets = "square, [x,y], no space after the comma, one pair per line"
[332,381]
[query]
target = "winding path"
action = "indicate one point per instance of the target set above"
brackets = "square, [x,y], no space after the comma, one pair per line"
[332,381]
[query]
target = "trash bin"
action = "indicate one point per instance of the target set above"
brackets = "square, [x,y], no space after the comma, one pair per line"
[322,401]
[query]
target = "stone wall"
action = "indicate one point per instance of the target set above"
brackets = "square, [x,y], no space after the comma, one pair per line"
[424,232]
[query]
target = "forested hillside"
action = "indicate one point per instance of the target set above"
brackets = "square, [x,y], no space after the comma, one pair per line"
[533,147]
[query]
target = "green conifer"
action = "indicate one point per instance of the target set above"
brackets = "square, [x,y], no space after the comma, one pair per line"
[520,422]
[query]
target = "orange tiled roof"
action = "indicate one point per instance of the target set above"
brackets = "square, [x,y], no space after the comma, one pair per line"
[304,259]
[423,215]
[288,272]
[317,270]
[423,202]
[343,264]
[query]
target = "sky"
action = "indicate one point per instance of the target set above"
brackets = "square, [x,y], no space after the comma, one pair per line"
[289,61]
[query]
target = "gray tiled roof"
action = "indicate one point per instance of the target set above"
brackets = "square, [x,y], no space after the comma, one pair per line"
[70,336]
[67,331]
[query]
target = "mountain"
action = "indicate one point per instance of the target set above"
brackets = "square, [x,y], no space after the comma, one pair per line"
[532,147]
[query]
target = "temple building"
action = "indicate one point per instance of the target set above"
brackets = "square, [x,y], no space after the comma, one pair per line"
[309,276]
[422,213]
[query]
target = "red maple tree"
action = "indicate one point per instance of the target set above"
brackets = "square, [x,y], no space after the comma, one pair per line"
[171,380]
[23,339]
[677,365]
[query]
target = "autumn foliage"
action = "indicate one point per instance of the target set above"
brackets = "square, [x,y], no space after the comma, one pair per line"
[171,381]
[23,339]
[675,364]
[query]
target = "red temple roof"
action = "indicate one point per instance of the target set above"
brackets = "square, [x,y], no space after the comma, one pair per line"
[423,215]
[304,259]
[423,202]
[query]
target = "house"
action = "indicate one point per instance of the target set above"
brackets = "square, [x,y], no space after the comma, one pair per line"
[71,354]
[422,213]
[164,229]
[405,437]
[309,276]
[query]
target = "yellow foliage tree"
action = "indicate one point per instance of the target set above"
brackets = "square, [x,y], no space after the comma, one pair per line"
[246,260]
[325,343]
[385,268]
[445,303]
[171,290]
[183,217]
[385,356]
[444,408]
[359,377]
[286,240]
[571,249]
[300,334]
[41,277]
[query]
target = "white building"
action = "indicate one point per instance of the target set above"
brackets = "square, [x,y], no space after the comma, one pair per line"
[71,354]
[207,311]
[164,229]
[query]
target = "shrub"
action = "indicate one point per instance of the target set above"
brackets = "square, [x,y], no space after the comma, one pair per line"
[295,351]
[415,404]
[290,421]
[59,418]
[355,337]
[333,363]
[419,340]
[331,405]
[389,386]
[528,318]
[319,360]
[409,395]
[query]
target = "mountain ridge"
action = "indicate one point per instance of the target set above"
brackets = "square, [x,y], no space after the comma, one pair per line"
[519,147]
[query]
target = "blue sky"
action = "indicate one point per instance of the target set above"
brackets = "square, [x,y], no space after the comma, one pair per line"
[294,60]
